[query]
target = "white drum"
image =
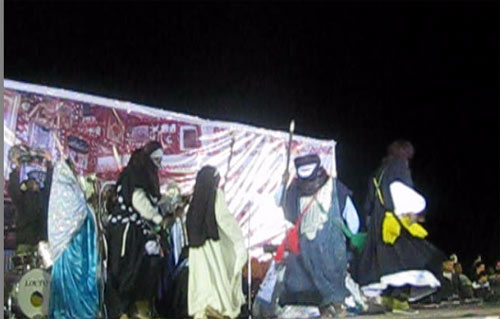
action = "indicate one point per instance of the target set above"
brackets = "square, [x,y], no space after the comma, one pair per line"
[31,293]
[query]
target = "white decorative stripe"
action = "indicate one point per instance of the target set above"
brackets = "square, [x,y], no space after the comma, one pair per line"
[417,278]
[124,240]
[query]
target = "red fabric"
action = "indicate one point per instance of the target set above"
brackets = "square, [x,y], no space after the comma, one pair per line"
[291,241]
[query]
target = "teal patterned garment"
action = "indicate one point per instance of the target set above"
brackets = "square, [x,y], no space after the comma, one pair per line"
[73,243]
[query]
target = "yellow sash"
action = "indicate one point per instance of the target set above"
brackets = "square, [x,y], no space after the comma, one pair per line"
[391,228]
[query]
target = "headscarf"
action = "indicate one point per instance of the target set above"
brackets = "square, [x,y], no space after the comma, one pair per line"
[200,220]
[304,186]
[140,172]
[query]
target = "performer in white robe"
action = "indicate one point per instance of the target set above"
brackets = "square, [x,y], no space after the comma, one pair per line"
[216,252]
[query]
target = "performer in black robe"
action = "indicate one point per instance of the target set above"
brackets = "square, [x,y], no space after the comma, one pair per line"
[133,246]
[409,261]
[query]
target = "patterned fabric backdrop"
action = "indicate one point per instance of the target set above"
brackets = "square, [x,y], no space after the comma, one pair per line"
[99,134]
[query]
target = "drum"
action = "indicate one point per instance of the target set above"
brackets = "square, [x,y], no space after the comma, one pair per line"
[25,262]
[30,295]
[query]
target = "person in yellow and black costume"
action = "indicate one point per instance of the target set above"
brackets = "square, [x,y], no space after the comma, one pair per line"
[397,262]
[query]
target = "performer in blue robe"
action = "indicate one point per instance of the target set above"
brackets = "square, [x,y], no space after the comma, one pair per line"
[316,276]
[73,246]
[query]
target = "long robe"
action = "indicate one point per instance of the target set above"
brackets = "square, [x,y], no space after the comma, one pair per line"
[215,268]
[133,273]
[73,244]
[410,260]
[317,275]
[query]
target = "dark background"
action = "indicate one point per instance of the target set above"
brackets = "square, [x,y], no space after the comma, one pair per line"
[363,74]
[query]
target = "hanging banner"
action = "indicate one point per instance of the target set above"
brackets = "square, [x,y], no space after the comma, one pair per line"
[100,134]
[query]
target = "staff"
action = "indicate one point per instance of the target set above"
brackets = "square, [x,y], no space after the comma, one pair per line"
[229,160]
[288,155]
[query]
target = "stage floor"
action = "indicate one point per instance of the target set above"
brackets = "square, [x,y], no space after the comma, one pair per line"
[451,312]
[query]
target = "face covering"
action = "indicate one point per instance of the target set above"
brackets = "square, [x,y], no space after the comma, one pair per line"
[307,166]
[156,157]
[306,171]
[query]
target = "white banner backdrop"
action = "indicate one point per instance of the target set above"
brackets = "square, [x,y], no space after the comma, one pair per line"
[101,133]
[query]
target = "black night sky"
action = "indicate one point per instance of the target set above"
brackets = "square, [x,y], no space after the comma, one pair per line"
[362,73]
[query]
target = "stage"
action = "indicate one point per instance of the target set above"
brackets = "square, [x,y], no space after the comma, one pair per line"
[448,312]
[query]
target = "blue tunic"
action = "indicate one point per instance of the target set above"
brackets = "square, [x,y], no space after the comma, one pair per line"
[317,275]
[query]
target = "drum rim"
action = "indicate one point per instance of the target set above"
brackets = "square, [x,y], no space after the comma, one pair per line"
[44,308]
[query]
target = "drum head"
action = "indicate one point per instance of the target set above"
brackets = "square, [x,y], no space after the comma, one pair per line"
[33,293]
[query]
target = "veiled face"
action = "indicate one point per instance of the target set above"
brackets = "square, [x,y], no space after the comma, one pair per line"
[156,157]
[305,171]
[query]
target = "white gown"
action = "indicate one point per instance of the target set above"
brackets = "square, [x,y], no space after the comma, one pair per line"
[215,269]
